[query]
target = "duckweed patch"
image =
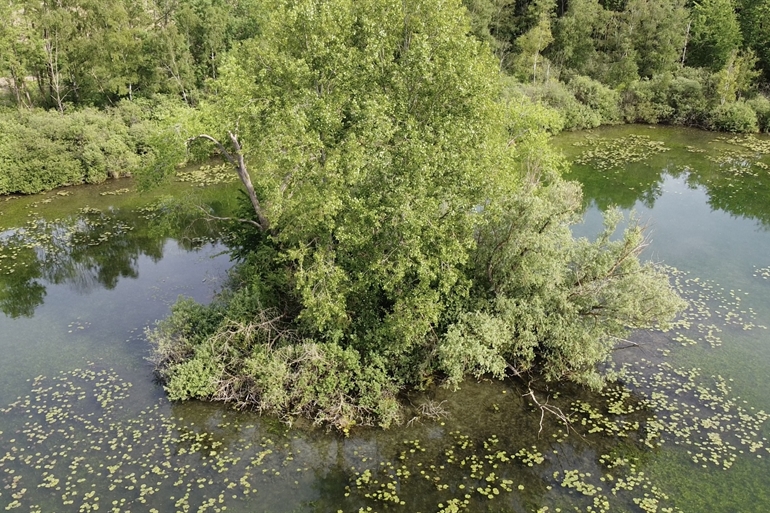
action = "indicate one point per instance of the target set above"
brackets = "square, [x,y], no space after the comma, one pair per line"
[605,154]
[207,175]
[712,310]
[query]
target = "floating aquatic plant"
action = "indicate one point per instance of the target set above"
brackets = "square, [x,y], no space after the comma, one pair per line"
[207,175]
[762,272]
[607,154]
[116,192]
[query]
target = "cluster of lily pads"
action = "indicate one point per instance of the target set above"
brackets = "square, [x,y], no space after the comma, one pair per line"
[754,144]
[116,192]
[207,174]
[737,162]
[70,444]
[711,310]
[745,159]
[604,154]
[762,272]
[73,447]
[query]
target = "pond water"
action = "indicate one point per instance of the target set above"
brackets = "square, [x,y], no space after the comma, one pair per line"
[84,427]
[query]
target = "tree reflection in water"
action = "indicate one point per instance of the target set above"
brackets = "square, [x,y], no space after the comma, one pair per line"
[87,251]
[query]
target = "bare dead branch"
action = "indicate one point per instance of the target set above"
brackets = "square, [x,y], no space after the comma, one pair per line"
[547,408]
[236,160]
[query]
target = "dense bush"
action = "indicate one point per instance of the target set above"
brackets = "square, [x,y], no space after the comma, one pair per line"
[734,117]
[214,352]
[691,98]
[599,97]
[577,115]
[761,106]
[41,150]
[31,161]
[646,101]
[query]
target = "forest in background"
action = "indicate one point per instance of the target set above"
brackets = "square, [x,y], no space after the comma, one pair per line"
[669,61]
[117,68]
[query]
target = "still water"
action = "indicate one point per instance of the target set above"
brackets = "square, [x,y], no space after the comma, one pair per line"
[84,427]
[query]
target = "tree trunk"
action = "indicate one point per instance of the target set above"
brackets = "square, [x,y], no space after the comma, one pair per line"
[236,159]
[686,40]
[54,75]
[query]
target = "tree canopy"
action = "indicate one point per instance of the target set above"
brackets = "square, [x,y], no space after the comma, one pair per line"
[405,222]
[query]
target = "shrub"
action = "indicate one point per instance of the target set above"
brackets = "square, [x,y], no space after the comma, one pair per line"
[734,117]
[249,358]
[41,150]
[31,160]
[598,97]
[761,105]
[577,116]
[646,101]
[687,99]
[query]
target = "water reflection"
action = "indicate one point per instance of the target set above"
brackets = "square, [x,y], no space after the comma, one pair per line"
[670,436]
[88,251]
[732,170]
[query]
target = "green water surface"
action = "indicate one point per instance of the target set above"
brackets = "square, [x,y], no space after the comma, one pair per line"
[84,427]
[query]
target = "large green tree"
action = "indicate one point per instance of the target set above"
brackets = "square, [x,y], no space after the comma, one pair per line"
[382,161]
[754,17]
[715,34]
[372,133]
[656,30]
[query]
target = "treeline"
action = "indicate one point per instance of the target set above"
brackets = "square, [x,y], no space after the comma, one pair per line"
[597,61]
[86,80]
[700,63]
[110,69]
[56,54]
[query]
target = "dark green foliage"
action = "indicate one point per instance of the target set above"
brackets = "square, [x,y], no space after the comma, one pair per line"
[239,351]
[41,150]
[656,32]
[670,61]
[754,18]
[715,34]
[735,117]
[680,99]
[81,53]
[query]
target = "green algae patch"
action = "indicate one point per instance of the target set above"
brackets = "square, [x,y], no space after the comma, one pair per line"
[604,154]
[207,175]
